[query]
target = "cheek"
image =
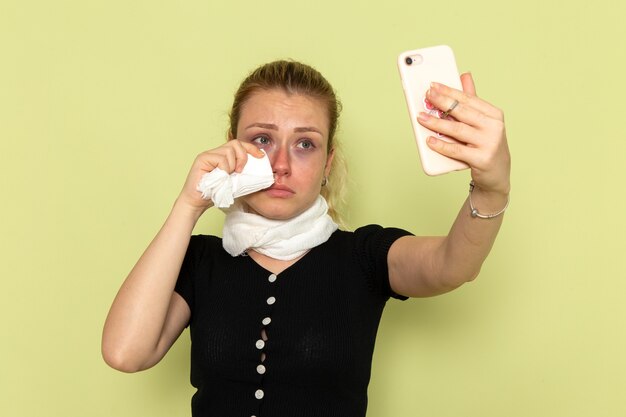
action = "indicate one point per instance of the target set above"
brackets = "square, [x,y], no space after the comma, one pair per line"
[310,161]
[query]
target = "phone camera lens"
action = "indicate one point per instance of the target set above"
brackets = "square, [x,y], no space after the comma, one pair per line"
[408,60]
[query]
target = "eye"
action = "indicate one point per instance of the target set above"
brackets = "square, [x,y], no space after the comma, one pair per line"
[261,140]
[306,144]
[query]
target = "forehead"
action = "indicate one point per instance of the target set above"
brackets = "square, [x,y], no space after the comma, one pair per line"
[284,110]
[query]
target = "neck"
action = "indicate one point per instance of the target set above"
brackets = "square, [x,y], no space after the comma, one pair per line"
[275,266]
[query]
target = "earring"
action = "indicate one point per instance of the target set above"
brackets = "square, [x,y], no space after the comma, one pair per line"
[324,181]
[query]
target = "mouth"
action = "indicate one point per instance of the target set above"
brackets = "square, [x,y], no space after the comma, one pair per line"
[281,187]
[279,190]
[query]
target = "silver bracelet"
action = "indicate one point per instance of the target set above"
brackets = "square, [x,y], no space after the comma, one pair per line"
[474,212]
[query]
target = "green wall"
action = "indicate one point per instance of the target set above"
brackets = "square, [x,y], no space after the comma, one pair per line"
[104,105]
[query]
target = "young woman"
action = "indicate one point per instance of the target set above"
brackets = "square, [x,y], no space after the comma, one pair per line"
[283,312]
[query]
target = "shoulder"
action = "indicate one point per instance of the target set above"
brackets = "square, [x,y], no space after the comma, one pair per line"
[200,243]
[369,231]
[368,245]
[205,240]
[372,236]
[202,248]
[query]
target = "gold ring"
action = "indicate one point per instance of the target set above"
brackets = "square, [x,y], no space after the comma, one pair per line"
[452,107]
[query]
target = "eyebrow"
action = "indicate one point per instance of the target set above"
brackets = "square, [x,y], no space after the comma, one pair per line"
[274,127]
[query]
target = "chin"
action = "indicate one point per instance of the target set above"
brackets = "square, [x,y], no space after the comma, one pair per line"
[273,208]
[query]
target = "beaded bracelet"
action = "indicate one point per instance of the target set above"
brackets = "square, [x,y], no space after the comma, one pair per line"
[474,212]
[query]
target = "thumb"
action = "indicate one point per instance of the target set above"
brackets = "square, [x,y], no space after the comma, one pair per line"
[451,150]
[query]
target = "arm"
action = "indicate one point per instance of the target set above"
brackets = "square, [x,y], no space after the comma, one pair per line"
[147,316]
[425,266]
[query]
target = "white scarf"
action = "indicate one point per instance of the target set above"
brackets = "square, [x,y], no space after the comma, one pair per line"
[279,239]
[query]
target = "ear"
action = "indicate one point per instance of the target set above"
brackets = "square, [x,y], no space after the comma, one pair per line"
[329,162]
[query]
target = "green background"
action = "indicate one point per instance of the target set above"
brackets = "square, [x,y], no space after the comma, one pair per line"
[104,105]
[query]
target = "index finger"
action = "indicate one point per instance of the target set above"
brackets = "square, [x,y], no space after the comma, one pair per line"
[251,149]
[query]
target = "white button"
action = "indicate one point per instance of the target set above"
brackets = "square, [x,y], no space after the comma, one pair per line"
[266,321]
[271,278]
[260,344]
[260,369]
[271,300]
[259,394]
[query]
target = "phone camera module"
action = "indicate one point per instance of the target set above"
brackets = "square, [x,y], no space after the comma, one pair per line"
[408,60]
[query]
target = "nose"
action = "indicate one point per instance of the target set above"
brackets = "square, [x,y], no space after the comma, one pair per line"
[280,161]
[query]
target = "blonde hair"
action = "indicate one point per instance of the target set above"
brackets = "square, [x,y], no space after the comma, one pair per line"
[296,78]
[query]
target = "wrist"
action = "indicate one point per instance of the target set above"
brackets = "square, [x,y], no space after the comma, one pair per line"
[487,204]
[494,190]
[190,211]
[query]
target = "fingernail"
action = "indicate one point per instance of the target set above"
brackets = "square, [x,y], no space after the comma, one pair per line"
[431,140]
[434,85]
[423,116]
[431,92]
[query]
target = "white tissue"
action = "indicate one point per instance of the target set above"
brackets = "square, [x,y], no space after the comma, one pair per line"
[223,188]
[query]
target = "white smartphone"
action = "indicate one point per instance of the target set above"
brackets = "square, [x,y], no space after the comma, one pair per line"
[418,68]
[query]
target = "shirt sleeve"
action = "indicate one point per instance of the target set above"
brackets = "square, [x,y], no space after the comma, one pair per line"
[371,249]
[185,283]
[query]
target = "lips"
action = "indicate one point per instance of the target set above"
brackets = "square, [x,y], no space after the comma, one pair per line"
[280,190]
[280,187]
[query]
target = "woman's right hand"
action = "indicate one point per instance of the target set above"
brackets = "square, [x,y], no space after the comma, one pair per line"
[147,315]
[230,157]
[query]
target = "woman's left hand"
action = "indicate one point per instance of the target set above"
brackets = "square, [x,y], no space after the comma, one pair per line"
[479,126]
